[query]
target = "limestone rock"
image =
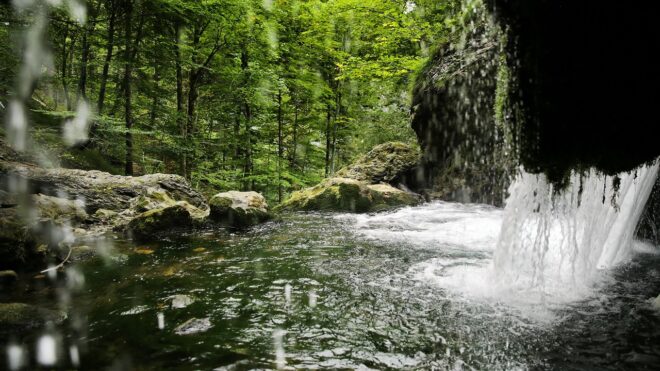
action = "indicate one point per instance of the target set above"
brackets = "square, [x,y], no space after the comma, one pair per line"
[385,163]
[8,277]
[350,195]
[26,316]
[239,209]
[193,326]
[147,225]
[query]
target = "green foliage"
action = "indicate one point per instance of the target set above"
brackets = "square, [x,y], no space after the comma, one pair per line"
[270,96]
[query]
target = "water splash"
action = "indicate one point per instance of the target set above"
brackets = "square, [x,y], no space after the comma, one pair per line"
[556,245]
[17,126]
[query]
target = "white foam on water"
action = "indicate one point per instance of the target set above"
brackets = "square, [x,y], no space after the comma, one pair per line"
[544,251]
[560,246]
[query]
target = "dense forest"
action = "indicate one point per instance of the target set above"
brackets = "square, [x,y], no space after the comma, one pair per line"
[268,95]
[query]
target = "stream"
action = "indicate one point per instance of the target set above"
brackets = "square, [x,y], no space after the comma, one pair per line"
[333,291]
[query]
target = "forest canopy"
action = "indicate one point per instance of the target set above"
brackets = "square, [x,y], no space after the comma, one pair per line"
[265,95]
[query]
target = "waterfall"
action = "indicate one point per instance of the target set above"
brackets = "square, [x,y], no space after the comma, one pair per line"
[554,245]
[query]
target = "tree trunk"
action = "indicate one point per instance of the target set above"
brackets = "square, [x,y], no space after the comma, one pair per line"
[127,86]
[112,9]
[280,144]
[179,94]
[65,58]
[328,141]
[294,145]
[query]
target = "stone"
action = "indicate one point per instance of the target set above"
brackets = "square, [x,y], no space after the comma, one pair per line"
[60,209]
[387,197]
[239,209]
[14,315]
[193,326]
[181,301]
[147,225]
[100,190]
[18,245]
[385,163]
[349,195]
[8,277]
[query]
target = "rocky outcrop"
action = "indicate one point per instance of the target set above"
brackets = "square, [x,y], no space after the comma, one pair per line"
[385,163]
[43,210]
[367,185]
[580,102]
[97,189]
[349,195]
[458,115]
[239,209]
[148,225]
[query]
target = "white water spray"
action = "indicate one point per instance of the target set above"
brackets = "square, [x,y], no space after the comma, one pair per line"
[555,245]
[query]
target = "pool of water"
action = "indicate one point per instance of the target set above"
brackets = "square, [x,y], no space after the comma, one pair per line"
[315,291]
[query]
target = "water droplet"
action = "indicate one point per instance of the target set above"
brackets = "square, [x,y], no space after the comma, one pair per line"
[47,351]
[161,321]
[15,357]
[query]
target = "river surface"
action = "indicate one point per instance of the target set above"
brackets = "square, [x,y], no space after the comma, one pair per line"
[317,291]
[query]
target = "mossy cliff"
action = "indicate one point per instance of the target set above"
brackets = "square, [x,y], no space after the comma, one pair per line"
[458,108]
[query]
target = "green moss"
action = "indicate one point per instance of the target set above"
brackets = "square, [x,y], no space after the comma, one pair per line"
[148,224]
[384,163]
[341,194]
[23,315]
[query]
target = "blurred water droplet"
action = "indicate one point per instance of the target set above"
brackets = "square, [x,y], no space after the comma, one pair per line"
[76,130]
[16,126]
[312,298]
[74,354]
[280,355]
[15,356]
[161,321]
[287,295]
[47,351]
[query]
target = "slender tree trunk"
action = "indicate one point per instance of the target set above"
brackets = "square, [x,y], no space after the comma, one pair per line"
[65,59]
[155,99]
[128,114]
[280,145]
[247,111]
[179,94]
[328,141]
[112,9]
[85,54]
[294,146]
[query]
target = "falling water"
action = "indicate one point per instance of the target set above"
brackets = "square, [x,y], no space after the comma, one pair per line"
[554,245]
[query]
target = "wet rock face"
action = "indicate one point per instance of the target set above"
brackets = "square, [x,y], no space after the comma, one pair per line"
[239,209]
[464,154]
[584,83]
[649,224]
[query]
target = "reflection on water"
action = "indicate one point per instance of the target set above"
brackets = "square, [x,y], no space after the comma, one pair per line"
[329,292]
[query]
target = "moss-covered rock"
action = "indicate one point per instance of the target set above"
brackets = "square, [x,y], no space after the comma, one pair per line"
[148,225]
[18,245]
[239,209]
[350,195]
[385,163]
[60,209]
[386,197]
[14,315]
